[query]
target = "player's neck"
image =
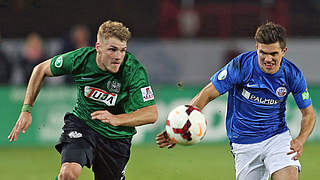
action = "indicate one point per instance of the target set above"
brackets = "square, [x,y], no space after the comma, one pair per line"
[100,64]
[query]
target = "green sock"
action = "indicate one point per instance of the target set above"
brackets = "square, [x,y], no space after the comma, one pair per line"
[56,178]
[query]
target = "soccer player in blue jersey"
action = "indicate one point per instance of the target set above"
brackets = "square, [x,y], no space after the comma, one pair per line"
[258,84]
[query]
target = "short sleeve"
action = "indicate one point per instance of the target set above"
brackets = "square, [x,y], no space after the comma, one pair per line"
[140,90]
[228,76]
[62,64]
[300,91]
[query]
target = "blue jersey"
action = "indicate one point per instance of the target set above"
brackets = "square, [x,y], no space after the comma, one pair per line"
[256,100]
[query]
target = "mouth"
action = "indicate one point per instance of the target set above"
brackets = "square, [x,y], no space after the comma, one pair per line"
[115,63]
[269,65]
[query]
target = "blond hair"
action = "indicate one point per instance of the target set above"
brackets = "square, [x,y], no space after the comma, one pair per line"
[110,29]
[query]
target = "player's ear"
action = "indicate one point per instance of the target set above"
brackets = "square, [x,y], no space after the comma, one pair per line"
[98,47]
[284,51]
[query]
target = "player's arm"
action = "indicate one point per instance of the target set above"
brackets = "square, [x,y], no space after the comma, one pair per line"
[145,115]
[221,82]
[207,94]
[37,77]
[307,125]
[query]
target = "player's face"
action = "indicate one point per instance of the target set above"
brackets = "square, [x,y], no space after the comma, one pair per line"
[110,54]
[270,57]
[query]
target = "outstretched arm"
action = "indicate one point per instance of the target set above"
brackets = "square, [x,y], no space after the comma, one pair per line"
[307,125]
[38,74]
[146,115]
[206,95]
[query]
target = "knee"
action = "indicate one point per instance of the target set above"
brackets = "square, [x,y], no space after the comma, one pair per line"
[70,171]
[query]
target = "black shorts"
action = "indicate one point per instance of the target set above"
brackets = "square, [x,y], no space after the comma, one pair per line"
[81,144]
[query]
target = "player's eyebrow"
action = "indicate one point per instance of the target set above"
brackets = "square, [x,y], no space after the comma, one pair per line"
[116,47]
[271,53]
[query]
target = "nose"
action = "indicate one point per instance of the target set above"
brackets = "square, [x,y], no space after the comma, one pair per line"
[268,58]
[117,55]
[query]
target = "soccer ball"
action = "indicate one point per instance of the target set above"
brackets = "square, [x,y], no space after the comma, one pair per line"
[186,125]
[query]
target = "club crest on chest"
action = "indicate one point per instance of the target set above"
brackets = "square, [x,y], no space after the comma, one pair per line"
[113,86]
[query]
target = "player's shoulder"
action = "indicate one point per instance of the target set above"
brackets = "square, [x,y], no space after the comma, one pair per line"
[290,69]
[84,55]
[293,75]
[132,67]
[130,58]
[80,52]
[85,50]
[131,62]
[290,66]
[244,61]
[247,57]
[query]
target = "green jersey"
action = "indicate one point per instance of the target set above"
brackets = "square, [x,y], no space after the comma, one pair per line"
[122,92]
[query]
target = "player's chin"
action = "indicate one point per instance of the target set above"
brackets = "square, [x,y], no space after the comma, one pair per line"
[269,70]
[114,69]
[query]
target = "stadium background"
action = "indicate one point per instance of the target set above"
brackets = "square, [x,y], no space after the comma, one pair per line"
[178,41]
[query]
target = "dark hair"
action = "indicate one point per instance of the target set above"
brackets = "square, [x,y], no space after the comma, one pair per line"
[271,33]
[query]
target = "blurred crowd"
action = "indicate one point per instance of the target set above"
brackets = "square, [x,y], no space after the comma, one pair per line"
[162,19]
[17,69]
[18,57]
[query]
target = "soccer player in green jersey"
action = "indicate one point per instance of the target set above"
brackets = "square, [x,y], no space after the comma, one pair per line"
[113,96]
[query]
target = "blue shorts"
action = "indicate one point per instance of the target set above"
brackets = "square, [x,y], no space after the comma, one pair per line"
[81,144]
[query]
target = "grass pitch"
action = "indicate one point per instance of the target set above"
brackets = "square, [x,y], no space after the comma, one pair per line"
[201,162]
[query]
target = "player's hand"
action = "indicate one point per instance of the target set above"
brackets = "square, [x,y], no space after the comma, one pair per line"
[22,123]
[163,140]
[297,147]
[106,117]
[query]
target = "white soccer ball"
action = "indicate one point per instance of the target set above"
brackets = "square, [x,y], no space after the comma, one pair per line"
[186,125]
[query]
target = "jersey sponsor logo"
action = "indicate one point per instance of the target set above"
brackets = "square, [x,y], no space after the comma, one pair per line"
[75,134]
[113,86]
[100,95]
[222,75]
[147,93]
[261,100]
[281,91]
[59,62]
